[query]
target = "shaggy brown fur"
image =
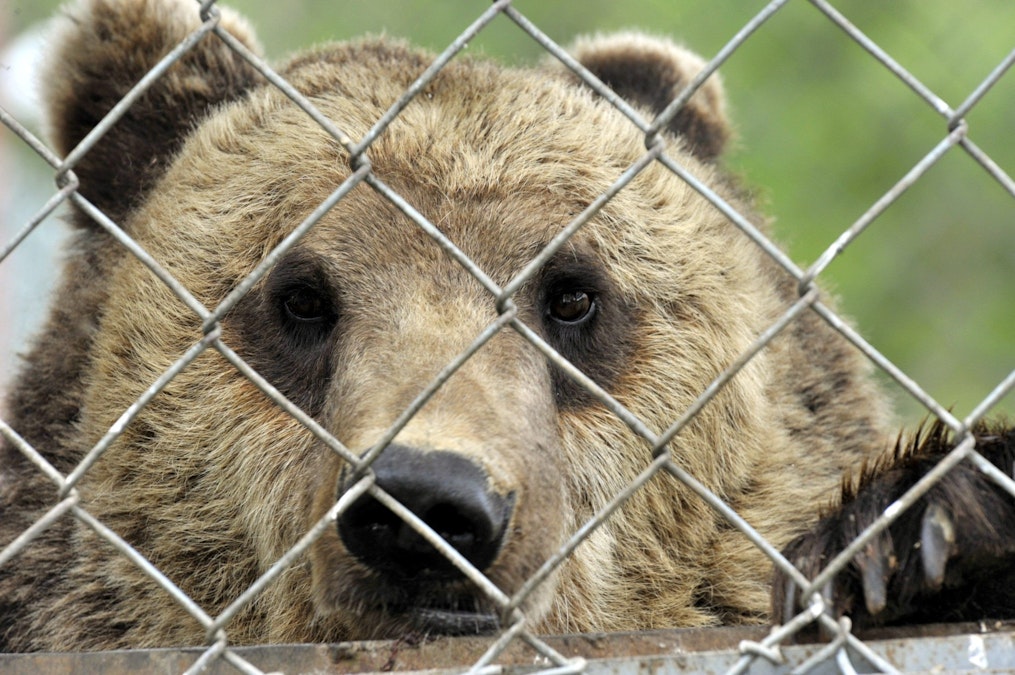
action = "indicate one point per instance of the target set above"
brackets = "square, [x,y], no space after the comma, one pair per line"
[212,482]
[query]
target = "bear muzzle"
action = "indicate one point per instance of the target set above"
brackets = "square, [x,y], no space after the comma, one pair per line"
[451,494]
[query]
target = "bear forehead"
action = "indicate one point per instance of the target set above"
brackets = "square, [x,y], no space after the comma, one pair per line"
[477,132]
[499,159]
[471,104]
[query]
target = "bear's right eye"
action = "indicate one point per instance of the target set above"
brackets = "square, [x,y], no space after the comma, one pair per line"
[306,305]
[572,307]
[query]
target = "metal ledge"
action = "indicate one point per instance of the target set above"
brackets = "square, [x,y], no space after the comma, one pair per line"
[936,648]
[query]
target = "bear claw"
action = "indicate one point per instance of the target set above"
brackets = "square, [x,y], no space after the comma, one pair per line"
[937,543]
[877,563]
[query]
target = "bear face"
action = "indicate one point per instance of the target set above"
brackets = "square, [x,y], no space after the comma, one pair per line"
[213,481]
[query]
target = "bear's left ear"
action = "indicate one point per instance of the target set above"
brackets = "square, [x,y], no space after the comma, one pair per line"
[101,49]
[649,72]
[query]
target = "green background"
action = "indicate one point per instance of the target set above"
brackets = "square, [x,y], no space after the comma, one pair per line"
[823,132]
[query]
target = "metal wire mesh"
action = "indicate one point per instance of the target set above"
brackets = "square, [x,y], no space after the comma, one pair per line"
[955,135]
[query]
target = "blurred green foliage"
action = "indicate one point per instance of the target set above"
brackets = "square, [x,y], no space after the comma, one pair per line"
[823,131]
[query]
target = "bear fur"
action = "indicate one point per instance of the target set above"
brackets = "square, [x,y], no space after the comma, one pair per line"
[213,482]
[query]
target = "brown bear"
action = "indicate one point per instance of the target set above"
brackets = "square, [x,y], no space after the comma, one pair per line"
[213,481]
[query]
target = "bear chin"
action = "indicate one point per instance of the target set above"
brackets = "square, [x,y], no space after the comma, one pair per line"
[375,608]
[433,619]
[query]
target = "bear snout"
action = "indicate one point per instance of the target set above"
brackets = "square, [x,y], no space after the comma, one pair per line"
[447,491]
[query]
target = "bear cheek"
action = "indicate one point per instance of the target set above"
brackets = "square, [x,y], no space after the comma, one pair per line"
[333,570]
[537,531]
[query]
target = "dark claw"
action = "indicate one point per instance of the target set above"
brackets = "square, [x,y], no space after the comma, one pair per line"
[937,543]
[877,563]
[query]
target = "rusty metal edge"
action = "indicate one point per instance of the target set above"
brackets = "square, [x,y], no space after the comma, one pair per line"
[912,648]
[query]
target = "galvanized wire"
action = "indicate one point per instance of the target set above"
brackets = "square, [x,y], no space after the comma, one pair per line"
[741,36]
[457,45]
[953,117]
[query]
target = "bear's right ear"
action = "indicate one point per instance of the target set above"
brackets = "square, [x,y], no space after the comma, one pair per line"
[649,72]
[101,49]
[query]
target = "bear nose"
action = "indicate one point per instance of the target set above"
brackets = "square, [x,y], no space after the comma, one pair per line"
[449,493]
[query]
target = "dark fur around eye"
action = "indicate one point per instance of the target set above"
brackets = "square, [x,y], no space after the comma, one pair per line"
[286,329]
[587,322]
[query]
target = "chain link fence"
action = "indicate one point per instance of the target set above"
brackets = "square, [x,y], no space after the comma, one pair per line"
[757,651]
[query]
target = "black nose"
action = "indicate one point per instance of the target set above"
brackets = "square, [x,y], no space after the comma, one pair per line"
[448,492]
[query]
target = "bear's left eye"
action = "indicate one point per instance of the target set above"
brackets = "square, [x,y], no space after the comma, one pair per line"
[572,307]
[306,305]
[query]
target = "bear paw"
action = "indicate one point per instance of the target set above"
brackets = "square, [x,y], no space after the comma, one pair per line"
[949,557]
